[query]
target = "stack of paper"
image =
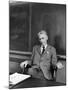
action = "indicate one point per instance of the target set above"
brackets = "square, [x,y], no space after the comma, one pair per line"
[16,78]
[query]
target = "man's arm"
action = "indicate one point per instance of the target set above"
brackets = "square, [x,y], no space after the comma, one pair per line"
[32,57]
[54,56]
[28,62]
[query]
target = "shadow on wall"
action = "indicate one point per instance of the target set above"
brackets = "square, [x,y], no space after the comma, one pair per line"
[58,45]
[35,41]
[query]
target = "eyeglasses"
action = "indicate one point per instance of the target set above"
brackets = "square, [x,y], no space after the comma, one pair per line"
[41,38]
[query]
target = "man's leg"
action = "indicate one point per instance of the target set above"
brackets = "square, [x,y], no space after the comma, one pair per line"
[35,73]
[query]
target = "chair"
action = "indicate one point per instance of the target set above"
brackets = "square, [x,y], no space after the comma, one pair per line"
[53,70]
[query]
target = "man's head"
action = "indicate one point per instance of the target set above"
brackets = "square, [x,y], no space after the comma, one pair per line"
[43,37]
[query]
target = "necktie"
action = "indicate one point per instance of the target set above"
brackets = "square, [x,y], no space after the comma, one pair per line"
[43,50]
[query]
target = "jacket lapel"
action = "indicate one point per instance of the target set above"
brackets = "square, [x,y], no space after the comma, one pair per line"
[39,50]
[45,52]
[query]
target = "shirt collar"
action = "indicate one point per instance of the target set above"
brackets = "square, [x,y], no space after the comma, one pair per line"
[44,46]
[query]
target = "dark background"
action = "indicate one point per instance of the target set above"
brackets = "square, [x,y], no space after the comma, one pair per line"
[26,19]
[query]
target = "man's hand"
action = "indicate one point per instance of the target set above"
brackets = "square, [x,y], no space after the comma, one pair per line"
[59,65]
[24,64]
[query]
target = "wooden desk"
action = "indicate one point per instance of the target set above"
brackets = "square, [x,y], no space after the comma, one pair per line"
[33,82]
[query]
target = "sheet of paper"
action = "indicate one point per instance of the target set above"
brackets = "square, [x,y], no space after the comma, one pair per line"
[16,78]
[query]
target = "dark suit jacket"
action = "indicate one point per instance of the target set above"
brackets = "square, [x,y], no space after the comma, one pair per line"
[44,60]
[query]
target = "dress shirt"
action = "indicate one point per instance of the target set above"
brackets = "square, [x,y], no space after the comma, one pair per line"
[42,47]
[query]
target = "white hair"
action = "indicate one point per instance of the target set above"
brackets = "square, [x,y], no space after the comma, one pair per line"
[42,32]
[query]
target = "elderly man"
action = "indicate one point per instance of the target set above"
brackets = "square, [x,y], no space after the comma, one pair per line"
[42,57]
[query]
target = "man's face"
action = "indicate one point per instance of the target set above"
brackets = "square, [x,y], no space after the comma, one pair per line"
[43,38]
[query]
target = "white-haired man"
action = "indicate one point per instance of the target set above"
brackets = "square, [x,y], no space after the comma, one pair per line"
[42,57]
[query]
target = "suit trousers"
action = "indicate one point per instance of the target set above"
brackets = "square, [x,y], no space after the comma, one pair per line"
[35,72]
